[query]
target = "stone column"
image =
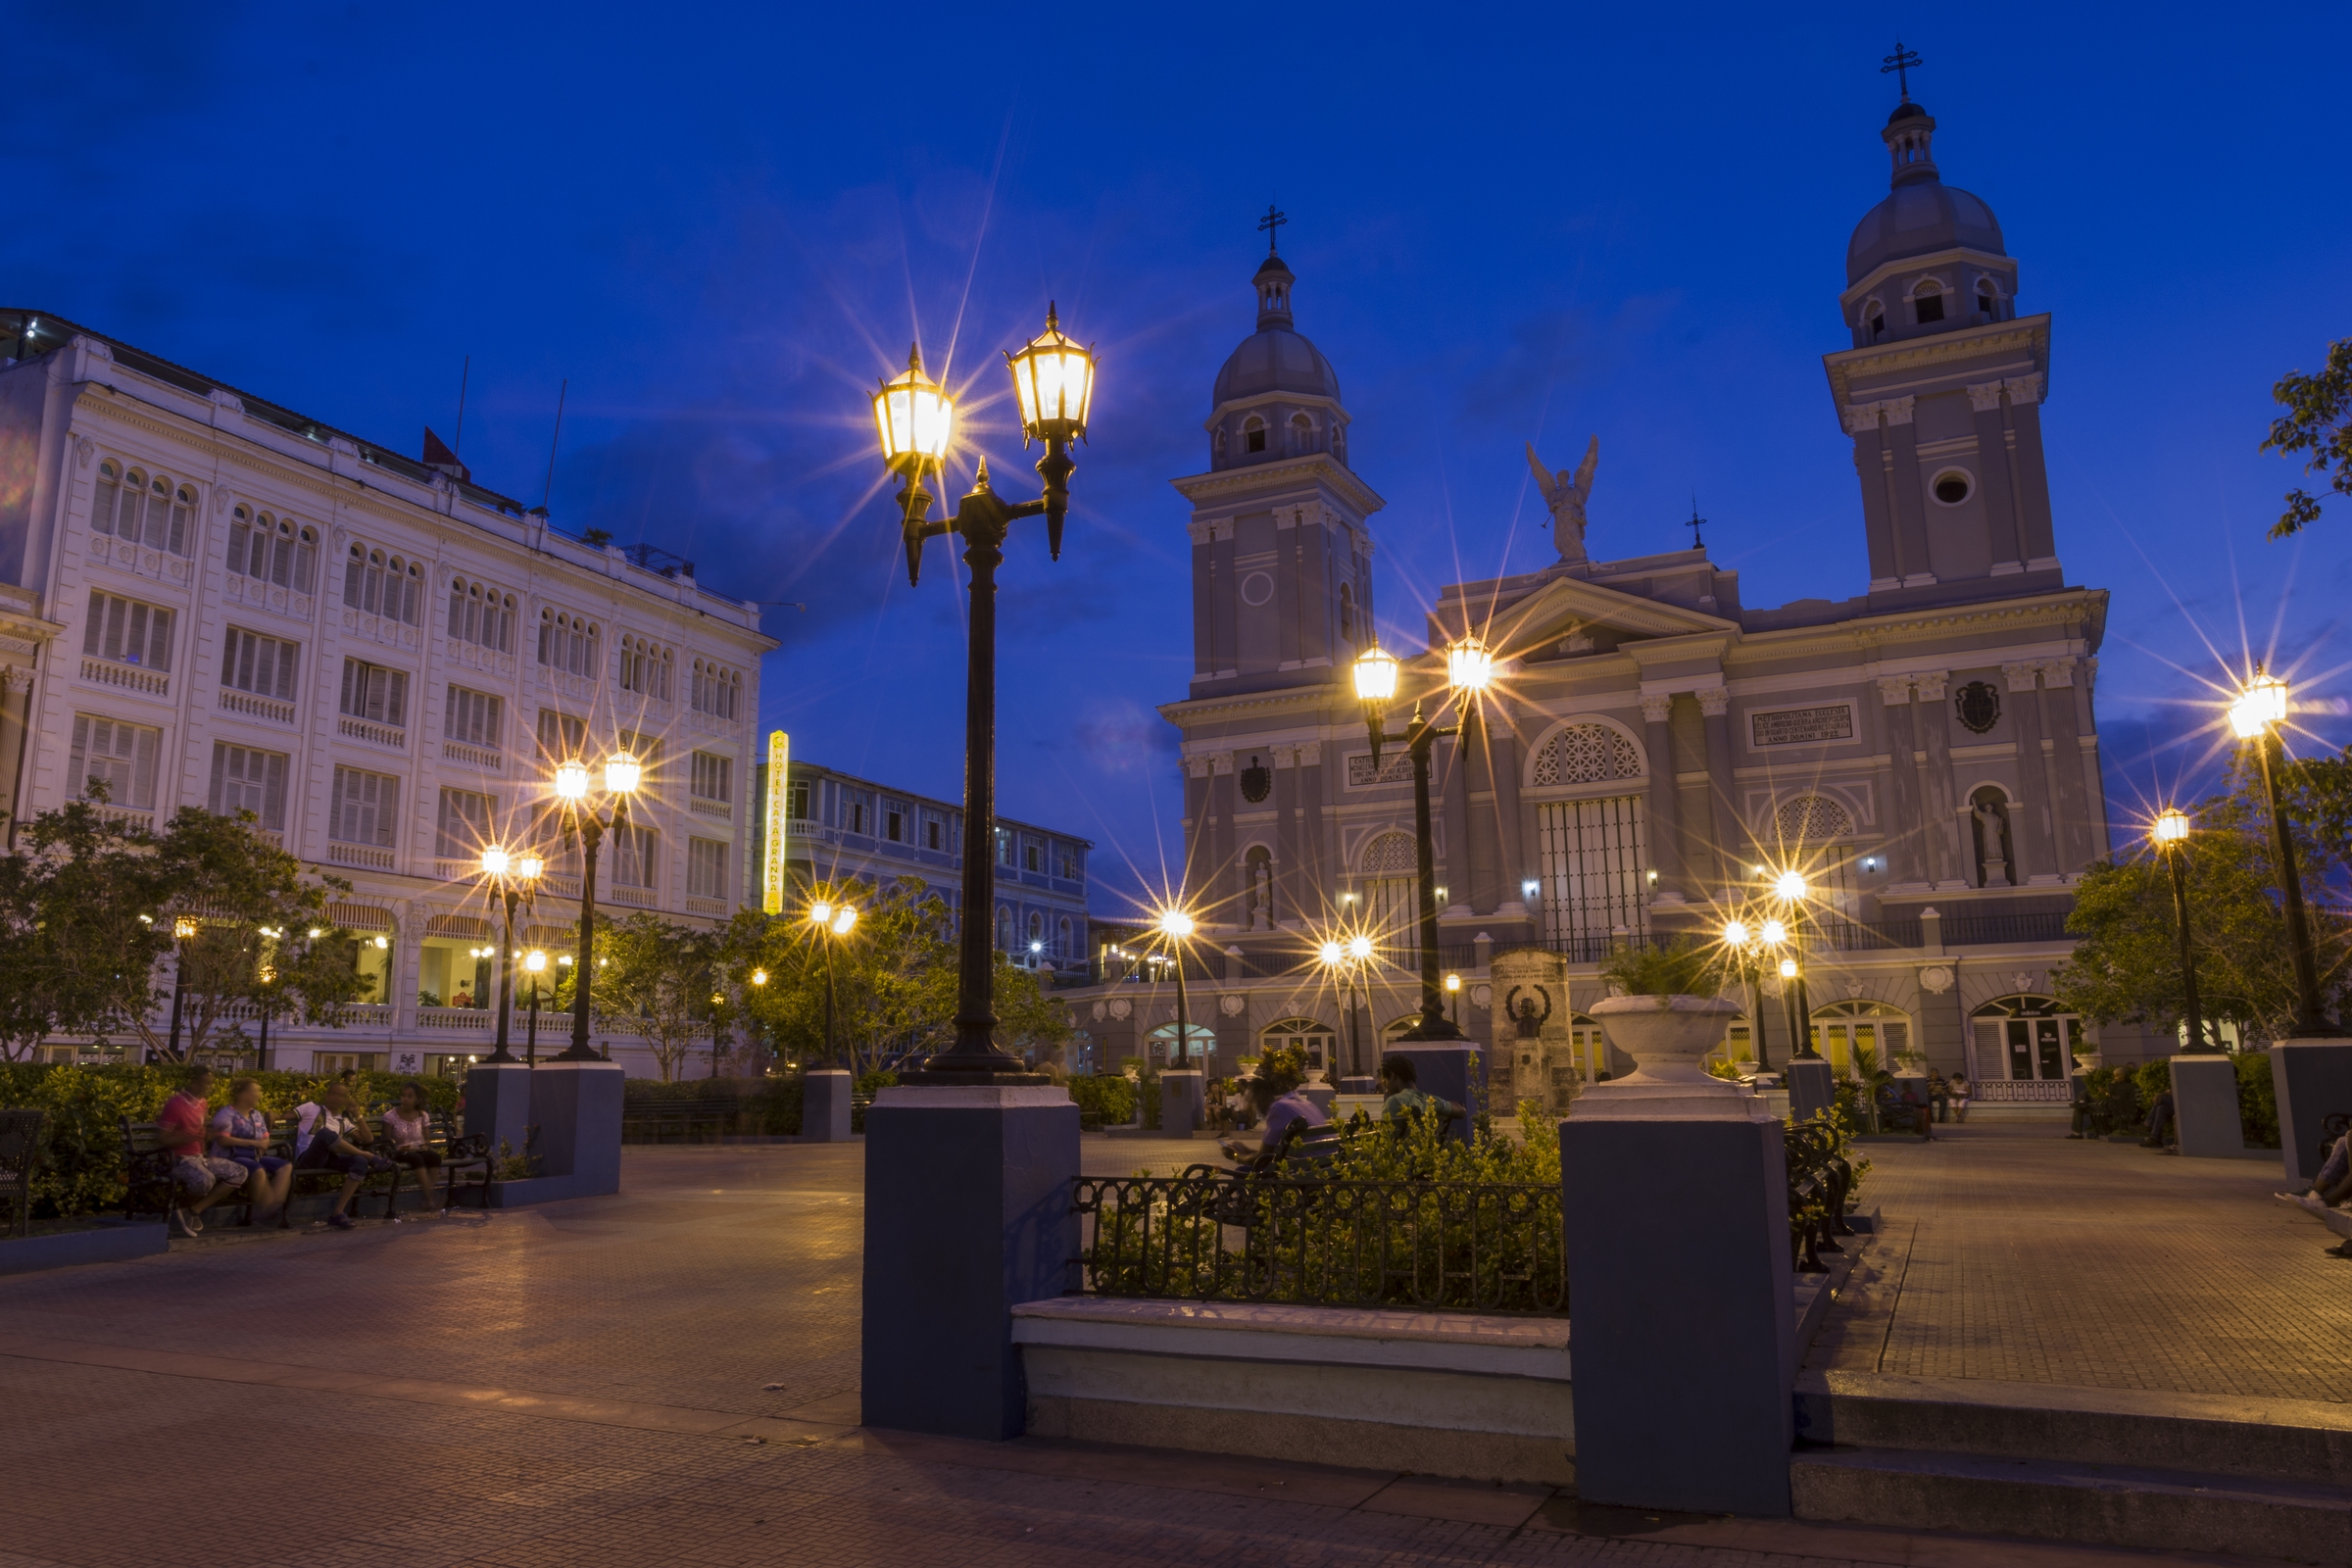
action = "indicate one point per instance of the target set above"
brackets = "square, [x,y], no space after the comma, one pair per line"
[1942,830]
[1506,750]
[1204,598]
[2036,855]
[2032,474]
[15,706]
[1484,883]
[1664,845]
[1731,847]
[1997,478]
[1909,506]
[1290,903]
[1195,825]
[1218,896]
[1905,846]
[2072,808]
[1316,855]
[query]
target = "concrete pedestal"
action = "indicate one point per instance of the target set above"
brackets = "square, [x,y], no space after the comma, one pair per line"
[497,1106]
[1679,1266]
[576,1105]
[1811,1087]
[1182,1097]
[2313,1080]
[1449,1072]
[825,1105]
[968,1215]
[2205,1106]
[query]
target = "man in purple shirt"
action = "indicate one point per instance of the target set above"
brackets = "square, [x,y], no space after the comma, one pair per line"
[1280,1107]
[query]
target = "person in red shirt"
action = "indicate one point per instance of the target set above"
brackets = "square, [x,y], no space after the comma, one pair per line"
[203,1180]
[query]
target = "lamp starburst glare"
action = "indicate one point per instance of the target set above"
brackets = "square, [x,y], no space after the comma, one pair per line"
[1469,665]
[2171,826]
[622,773]
[571,779]
[2261,704]
[1375,675]
[916,414]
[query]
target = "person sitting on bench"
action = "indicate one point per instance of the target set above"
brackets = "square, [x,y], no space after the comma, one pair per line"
[412,1130]
[202,1178]
[1280,1108]
[324,1143]
[2160,1122]
[2332,1185]
[241,1132]
[1399,1080]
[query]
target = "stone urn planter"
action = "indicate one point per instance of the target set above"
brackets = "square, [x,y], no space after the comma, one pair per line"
[1667,1037]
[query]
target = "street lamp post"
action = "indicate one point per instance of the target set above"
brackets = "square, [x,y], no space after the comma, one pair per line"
[2259,709]
[1469,670]
[1347,959]
[2171,834]
[1454,998]
[1789,889]
[831,922]
[534,963]
[1748,946]
[1175,926]
[623,774]
[184,929]
[1054,379]
[510,879]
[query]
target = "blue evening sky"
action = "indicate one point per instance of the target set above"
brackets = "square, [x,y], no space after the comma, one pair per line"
[723,225]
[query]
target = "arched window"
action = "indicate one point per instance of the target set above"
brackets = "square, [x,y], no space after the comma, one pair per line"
[142,509]
[1874,322]
[569,643]
[1586,754]
[1061,939]
[1253,434]
[1005,929]
[1859,1036]
[379,584]
[715,689]
[1216,445]
[2025,1037]
[1926,301]
[1037,931]
[1989,298]
[1316,1040]
[1303,434]
[272,550]
[1388,868]
[480,615]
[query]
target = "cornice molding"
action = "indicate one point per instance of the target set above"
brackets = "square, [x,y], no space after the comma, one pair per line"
[1315,467]
[2030,333]
[1965,254]
[1537,620]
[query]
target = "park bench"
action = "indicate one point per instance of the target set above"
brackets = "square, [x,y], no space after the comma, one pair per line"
[20,1151]
[680,1120]
[460,1152]
[148,1183]
[1819,1180]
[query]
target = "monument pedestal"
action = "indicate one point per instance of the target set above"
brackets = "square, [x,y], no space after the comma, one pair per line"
[825,1105]
[497,1106]
[576,1105]
[1811,1085]
[1182,1097]
[968,1215]
[2313,1080]
[1448,1070]
[2205,1106]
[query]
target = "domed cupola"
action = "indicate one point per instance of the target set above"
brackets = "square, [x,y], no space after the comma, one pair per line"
[1277,396]
[1930,257]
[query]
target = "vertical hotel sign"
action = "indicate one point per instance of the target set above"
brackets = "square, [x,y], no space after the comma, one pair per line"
[772,845]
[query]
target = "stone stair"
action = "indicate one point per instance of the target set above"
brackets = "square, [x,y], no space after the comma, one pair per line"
[2264,1478]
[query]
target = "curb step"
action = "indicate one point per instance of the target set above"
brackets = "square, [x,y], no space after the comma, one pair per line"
[2059,1499]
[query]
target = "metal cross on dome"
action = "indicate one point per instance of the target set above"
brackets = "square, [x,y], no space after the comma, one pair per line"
[1696,523]
[1903,63]
[1270,223]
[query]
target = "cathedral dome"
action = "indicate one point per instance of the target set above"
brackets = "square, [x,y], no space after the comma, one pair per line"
[1922,215]
[1274,358]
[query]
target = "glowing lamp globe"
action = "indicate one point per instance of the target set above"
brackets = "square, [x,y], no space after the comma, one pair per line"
[1359,947]
[844,919]
[1176,923]
[1469,665]
[1788,968]
[916,416]
[2171,826]
[1375,675]
[1054,380]
[1775,933]
[2261,704]
[571,781]
[1453,982]
[759,978]
[1789,885]
[535,961]
[1330,953]
[529,867]
[622,773]
[820,912]
[495,862]
[1735,934]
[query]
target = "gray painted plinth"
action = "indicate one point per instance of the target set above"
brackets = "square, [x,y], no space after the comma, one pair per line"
[1684,1309]
[576,1106]
[108,1242]
[2205,1106]
[498,1104]
[1449,1072]
[2313,1081]
[825,1105]
[1183,1097]
[1811,1085]
[968,1215]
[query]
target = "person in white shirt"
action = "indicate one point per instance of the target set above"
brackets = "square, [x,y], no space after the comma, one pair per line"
[323,1142]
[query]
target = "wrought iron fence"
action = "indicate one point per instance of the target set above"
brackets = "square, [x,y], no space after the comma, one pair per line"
[1471,1246]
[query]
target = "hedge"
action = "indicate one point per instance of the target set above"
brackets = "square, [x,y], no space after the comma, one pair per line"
[1111,1097]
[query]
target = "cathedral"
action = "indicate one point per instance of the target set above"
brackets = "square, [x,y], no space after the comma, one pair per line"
[1652,748]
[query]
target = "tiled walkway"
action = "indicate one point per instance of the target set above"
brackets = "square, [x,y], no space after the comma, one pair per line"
[586,1384]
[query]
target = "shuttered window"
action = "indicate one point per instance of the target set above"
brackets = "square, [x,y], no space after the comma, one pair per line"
[715,777]
[464,825]
[562,737]
[263,665]
[634,859]
[144,510]
[272,550]
[127,632]
[365,807]
[119,756]
[473,718]
[248,780]
[372,692]
[706,868]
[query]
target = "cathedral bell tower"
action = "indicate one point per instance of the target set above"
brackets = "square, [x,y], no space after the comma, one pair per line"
[1282,559]
[1941,391]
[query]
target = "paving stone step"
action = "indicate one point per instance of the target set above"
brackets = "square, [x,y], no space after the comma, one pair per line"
[2117,1505]
[2275,1439]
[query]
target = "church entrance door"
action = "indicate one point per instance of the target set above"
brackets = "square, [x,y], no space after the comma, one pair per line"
[1594,868]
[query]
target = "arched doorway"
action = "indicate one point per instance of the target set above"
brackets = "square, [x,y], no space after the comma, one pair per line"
[1198,1037]
[1845,1030]
[2024,1038]
[1316,1040]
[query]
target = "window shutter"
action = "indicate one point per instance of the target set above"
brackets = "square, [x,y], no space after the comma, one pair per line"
[398,706]
[239,534]
[159,626]
[179,525]
[93,631]
[387,810]
[274,792]
[78,767]
[102,508]
[142,779]
[351,670]
[219,768]
[285,671]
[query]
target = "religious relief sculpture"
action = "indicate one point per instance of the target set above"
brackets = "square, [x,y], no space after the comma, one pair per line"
[1565,494]
[1523,1011]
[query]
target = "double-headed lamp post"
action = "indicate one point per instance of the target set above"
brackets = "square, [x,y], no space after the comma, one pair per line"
[622,775]
[2171,835]
[1789,889]
[510,879]
[1175,929]
[1469,670]
[1054,380]
[1347,960]
[534,965]
[1750,944]
[2260,706]
[831,922]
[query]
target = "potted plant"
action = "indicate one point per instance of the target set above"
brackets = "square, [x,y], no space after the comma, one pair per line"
[1665,1013]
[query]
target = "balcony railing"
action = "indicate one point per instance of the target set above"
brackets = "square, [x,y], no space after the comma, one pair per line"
[458,1021]
[718,809]
[367,856]
[481,756]
[701,906]
[642,897]
[363,729]
[129,678]
[256,706]
[2021,1091]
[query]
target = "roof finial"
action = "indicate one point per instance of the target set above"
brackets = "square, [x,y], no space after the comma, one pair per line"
[1696,523]
[1269,225]
[1903,63]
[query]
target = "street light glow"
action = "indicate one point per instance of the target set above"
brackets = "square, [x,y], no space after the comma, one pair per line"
[1331,954]
[759,978]
[1453,982]
[2171,826]
[623,771]
[184,928]
[821,912]
[495,862]
[1735,934]
[535,961]
[1176,923]
[1359,947]
[1375,675]
[2262,704]
[1788,968]
[1469,665]
[1789,886]
[530,867]
[916,414]
[1054,380]
[571,781]
[844,919]
[1775,933]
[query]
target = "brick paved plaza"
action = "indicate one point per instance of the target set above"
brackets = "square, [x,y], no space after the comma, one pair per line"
[584,1383]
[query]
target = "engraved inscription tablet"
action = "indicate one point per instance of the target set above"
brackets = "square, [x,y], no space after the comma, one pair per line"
[1802,727]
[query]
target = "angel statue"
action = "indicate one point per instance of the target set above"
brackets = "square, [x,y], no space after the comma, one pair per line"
[1564,494]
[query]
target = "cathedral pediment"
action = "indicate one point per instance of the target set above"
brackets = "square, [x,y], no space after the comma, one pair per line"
[1569,607]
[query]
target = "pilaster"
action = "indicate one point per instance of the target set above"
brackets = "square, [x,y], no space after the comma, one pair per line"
[1905,848]
[1665,841]
[1909,503]
[1996,464]
[1941,828]
[1715,723]
[2032,472]
[2035,849]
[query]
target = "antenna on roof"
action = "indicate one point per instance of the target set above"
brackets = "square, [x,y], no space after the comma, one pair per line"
[548,491]
[464,376]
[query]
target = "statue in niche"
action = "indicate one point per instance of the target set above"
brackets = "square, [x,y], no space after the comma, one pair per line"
[1261,891]
[1993,841]
[1564,495]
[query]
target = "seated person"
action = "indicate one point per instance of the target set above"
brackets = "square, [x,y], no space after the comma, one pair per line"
[1399,1080]
[323,1141]
[2334,1184]
[241,1132]
[2160,1122]
[410,1128]
[202,1177]
[1959,1094]
[1274,1092]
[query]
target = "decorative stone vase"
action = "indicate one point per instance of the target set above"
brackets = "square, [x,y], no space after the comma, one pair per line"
[1667,1037]
[2087,1060]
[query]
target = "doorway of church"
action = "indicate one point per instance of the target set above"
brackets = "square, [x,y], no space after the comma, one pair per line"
[2025,1037]
[1314,1039]
[1860,1036]
[1200,1040]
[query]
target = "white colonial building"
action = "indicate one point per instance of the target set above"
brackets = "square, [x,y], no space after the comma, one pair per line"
[217,602]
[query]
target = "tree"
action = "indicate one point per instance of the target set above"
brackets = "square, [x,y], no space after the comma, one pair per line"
[261,940]
[2318,421]
[75,957]
[660,974]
